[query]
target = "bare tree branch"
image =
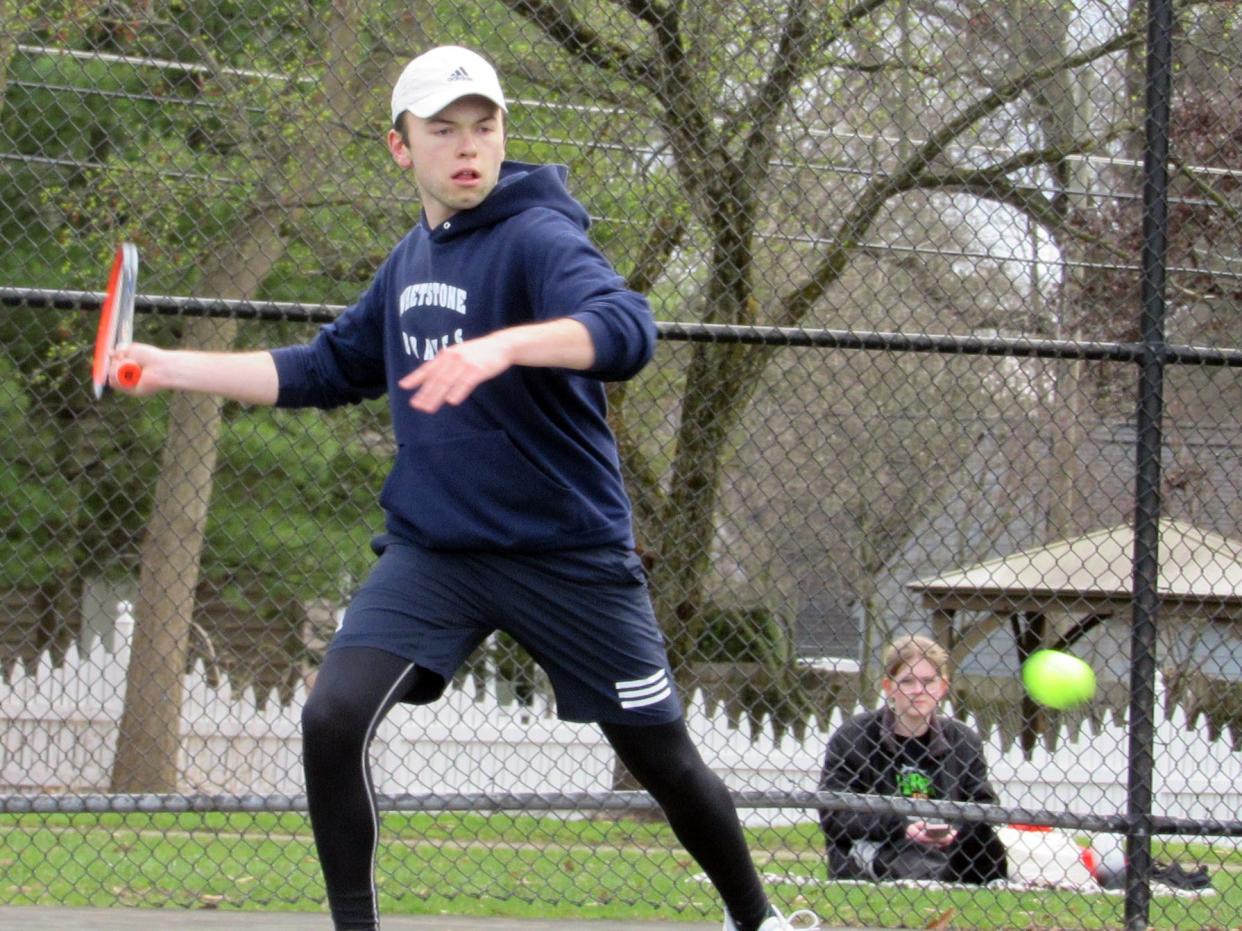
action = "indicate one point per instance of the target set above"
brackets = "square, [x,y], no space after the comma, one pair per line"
[798,38]
[907,177]
[993,183]
[1008,92]
[561,25]
[1206,190]
[650,13]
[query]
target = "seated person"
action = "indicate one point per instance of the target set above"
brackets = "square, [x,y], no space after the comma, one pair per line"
[908,748]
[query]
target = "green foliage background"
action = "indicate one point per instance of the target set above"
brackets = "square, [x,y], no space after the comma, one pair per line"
[171,161]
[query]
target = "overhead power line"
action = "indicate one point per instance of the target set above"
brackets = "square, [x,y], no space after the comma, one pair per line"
[146,61]
[595,109]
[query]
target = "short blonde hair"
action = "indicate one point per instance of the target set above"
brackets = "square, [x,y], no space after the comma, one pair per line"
[908,650]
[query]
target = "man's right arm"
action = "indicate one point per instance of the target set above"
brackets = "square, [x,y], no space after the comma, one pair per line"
[247,377]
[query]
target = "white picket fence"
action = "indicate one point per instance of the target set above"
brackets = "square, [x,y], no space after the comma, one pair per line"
[61,723]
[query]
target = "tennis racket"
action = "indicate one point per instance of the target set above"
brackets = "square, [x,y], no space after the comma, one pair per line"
[116,321]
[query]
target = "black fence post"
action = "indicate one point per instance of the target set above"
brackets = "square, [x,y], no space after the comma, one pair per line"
[1148,471]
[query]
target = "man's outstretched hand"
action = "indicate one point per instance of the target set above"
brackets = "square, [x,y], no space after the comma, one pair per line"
[455,372]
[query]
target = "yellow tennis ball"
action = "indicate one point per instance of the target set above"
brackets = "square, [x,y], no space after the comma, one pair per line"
[1058,680]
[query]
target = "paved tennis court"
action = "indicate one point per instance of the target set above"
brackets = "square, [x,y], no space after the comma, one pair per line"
[40,919]
[148,919]
[34,918]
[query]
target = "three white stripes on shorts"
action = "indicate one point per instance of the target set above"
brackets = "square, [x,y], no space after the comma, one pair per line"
[638,693]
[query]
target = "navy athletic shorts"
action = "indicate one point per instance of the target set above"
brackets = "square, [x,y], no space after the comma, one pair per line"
[584,616]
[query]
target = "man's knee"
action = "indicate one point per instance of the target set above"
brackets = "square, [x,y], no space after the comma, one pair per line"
[330,719]
[427,687]
[334,712]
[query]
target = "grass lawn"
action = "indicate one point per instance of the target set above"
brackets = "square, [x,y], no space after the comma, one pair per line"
[517,866]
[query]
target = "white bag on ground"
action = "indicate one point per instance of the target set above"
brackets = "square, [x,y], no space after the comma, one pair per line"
[1045,857]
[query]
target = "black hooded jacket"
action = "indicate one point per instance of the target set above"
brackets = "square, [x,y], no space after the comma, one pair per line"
[863,756]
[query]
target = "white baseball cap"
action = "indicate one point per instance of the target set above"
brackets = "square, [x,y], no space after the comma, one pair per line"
[436,78]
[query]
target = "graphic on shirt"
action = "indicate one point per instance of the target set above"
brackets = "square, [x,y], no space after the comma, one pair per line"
[914,783]
[424,300]
[433,294]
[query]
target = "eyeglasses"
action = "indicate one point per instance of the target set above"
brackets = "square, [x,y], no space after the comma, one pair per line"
[916,684]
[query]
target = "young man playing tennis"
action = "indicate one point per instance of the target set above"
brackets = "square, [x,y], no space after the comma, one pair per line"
[491,327]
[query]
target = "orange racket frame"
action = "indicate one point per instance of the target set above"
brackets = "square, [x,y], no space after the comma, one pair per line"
[116,321]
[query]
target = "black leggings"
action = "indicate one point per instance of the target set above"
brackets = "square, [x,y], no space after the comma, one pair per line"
[357,686]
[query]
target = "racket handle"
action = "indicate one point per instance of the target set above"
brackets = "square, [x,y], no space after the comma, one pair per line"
[129,374]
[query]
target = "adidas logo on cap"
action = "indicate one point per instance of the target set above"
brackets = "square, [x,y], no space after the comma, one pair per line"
[442,75]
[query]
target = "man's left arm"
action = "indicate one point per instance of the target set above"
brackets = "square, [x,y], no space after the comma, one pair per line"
[565,275]
[456,371]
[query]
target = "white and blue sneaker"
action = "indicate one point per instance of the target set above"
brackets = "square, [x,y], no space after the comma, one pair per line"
[801,920]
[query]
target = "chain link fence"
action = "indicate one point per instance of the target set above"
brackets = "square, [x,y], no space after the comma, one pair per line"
[938,355]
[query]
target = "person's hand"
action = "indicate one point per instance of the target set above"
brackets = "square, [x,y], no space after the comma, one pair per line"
[152,361]
[455,372]
[931,833]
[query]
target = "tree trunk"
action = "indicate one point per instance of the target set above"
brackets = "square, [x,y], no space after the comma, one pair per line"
[719,384]
[150,733]
[11,26]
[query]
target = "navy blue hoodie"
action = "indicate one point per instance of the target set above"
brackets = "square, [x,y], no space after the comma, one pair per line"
[528,462]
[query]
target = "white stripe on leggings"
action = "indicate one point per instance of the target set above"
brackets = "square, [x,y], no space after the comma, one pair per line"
[366,781]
